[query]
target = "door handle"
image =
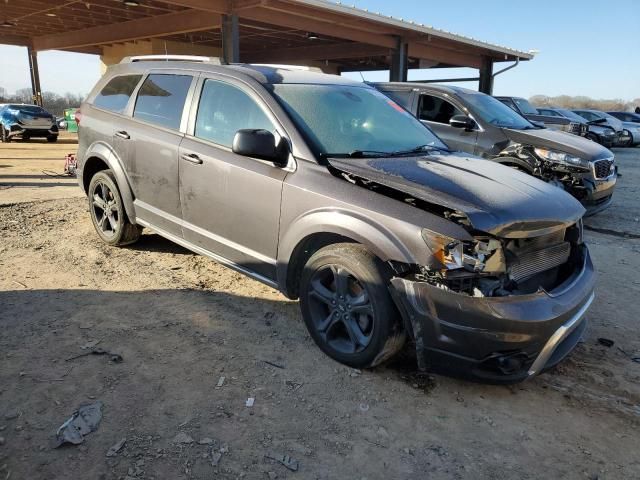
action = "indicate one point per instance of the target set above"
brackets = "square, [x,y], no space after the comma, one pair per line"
[123,134]
[192,158]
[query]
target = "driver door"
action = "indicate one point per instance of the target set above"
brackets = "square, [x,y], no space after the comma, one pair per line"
[435,112]
[230,203]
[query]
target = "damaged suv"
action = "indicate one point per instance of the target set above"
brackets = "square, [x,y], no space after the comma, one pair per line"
[477,123]
[334,194]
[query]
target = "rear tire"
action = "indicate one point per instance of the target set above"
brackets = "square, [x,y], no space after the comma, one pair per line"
[107,211]
[52,138]
[347,307]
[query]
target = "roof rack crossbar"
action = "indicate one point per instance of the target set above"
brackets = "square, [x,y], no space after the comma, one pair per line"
[171,58]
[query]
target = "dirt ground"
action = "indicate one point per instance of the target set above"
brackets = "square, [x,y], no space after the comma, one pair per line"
[182,322]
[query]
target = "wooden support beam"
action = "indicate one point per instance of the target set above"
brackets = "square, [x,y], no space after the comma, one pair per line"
[441,55]
[321,28]
[16,40]
[168,24]
[316,52]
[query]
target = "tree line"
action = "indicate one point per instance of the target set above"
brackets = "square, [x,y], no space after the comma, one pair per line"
[52,102]
[581,102]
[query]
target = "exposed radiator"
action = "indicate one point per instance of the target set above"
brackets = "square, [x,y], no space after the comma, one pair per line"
[537,261]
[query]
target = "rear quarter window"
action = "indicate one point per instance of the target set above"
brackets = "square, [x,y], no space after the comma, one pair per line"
[115,95]
[161,99]
[401,97]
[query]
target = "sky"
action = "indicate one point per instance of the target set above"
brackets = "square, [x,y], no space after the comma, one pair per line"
[586,47]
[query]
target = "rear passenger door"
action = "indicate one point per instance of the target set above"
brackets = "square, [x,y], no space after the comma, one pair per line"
[436,111]
[230,203]
[154,133]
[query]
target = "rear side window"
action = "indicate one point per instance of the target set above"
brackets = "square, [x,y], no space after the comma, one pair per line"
[436,109]
[161,99]
[115,94]
[225,109]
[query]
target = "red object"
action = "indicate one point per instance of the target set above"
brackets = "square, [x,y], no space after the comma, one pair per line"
[70,164]
[78,116]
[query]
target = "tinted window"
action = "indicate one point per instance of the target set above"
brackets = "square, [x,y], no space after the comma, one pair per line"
[115,94]
[551,113]
[225,109]
[403,97]
[435,109]
[161,99]
[339,119]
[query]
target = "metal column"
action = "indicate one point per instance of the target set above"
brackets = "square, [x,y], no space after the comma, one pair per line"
[485,85]
[36,91]
[230,39]
[399,62]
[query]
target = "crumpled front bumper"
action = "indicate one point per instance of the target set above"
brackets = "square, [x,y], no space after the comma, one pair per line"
[496,339]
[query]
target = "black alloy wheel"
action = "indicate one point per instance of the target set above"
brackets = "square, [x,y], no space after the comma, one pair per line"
[347,307]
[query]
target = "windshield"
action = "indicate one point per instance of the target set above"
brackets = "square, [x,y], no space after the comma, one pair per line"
[341,119]
[525,107]
[495,112]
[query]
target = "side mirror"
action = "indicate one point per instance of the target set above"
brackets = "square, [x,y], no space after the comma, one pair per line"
[462,121]
[261,144]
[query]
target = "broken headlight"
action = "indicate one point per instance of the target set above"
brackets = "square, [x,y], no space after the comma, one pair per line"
[562,158]
[483,254]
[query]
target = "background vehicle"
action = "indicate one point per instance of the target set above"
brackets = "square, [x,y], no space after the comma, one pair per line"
[27,121]
[331,192]
[631,123]
[476,123]
[602,134]
[623,137]
[528,111]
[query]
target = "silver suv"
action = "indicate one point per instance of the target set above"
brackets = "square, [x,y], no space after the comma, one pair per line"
[331,192]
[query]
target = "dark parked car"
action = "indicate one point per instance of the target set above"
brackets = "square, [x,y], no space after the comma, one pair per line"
[331,192]
[27,121]
[531,113]
[479,124]
[602,134]
[623,137]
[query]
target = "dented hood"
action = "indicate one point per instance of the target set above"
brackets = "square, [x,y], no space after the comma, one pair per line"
[561,141]
[496,199]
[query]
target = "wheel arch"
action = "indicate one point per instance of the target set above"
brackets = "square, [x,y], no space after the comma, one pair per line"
[100,156]
[316,230]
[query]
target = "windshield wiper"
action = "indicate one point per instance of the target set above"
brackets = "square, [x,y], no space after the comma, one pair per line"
[421,148]
[357,154]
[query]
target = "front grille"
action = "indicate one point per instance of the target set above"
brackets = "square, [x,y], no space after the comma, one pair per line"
[602,168]
[538,261]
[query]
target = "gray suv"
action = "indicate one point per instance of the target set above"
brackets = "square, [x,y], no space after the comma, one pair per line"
[332,193]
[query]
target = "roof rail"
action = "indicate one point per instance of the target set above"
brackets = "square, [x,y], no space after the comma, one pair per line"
[289,67]
[171,58]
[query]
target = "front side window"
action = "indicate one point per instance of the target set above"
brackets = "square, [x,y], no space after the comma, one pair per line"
[225,109]
[161,99]
[436,109]
[340,119]
[494,111]
[115,94]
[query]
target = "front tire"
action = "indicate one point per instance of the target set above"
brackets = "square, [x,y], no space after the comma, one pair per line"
[347,307]
[107,211]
